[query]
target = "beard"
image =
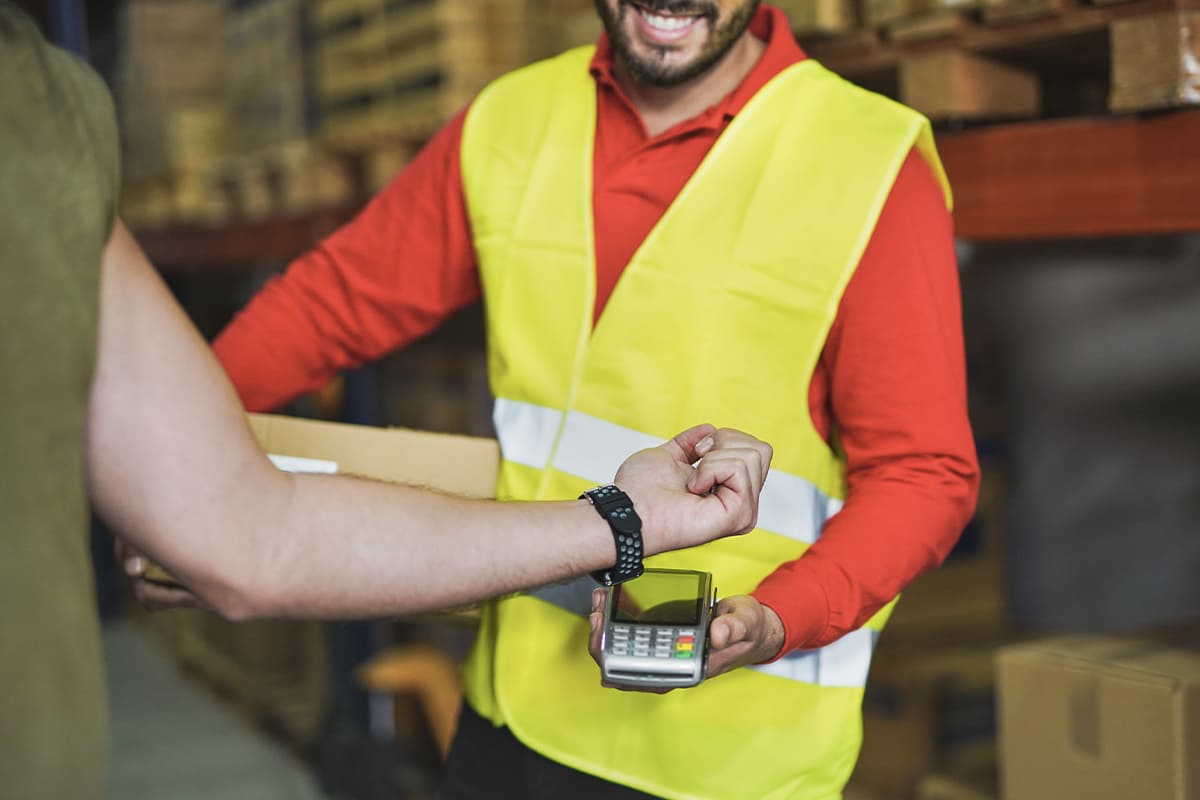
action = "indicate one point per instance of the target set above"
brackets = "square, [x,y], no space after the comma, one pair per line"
[656,69]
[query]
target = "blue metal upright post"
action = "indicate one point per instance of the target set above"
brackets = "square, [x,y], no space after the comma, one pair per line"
[69,26]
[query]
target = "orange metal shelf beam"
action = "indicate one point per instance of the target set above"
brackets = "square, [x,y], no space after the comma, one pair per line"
[1059,179]
[1114,176]
[238,245]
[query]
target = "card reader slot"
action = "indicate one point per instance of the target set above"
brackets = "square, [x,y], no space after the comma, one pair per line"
[635,665]
[644,677]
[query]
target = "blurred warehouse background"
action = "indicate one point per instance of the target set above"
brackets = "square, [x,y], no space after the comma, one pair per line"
[254,128]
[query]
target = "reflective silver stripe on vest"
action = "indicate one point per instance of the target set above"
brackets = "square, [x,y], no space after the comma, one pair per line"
[526,432]
[843,663]
[593,449]
[791,506]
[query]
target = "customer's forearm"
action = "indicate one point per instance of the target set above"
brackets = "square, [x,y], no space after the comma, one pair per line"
[342,547]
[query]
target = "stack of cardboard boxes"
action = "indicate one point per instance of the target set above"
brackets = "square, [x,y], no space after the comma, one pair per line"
[278,167]
[394,70]
[172,101]
[1101,718]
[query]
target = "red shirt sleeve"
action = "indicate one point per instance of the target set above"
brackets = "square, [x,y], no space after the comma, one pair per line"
[386,278]
[896,376]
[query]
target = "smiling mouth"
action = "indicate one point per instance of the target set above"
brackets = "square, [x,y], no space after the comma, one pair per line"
[666,25]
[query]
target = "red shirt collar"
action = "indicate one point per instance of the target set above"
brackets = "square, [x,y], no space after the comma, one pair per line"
[769,24]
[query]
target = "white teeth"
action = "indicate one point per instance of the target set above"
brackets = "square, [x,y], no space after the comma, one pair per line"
[666,23]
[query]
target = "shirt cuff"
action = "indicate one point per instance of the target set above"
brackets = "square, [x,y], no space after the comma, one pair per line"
[797,597]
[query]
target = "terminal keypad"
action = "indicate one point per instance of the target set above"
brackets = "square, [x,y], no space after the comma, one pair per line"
[653,640]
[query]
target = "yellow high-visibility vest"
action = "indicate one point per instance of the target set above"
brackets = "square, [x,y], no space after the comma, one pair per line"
[719,317]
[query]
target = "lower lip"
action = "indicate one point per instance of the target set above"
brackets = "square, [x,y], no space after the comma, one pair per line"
[661,36]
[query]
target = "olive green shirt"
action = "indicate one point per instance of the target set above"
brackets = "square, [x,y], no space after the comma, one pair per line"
[58,190]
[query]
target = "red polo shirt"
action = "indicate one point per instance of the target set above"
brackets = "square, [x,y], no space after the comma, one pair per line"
[890,377]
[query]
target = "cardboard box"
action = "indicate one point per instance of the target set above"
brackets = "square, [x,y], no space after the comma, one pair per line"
[955,84]
[461,465]
[1103,718]
[1155,61]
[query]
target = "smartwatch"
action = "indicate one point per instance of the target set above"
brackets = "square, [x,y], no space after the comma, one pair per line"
[617,510]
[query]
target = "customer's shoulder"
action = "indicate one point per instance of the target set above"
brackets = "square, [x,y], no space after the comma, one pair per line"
[55,106]
[20,39]
[43,69]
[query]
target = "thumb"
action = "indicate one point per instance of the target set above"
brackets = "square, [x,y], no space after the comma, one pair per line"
[688,446]
[721,633]
[730,626]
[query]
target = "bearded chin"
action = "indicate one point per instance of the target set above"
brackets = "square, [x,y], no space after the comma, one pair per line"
[655,71]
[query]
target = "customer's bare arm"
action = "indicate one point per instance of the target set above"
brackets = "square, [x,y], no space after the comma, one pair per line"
[173,467]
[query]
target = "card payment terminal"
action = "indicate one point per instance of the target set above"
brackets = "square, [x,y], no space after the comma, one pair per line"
[656,629]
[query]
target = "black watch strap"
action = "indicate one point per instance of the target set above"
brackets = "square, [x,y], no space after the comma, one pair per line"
[617,510]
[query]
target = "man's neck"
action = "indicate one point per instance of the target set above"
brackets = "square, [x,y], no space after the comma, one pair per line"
[663,107]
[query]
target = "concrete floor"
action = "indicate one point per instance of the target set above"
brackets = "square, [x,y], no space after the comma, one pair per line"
[171,739]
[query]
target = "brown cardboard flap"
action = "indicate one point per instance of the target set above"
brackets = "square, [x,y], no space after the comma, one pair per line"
[462,465]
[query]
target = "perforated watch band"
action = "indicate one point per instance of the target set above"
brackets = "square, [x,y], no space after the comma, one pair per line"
[617,510]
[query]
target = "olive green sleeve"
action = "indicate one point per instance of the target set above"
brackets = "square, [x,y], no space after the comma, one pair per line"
[52,101]
[94,116]
[58,200]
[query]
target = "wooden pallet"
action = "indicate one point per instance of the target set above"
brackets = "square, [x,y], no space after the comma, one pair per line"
[289,179]
[170,85]
[284,180]
[1028,58]
[192,196]
[385,69]
[268,90]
